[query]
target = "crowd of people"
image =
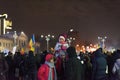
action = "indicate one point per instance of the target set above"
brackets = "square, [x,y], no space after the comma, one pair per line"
[64,64]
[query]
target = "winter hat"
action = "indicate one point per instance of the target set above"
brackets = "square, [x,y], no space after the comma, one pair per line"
[63,36]
[48,57]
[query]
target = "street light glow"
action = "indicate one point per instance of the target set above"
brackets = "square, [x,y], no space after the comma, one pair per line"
[53,36]
[102,39]
[47,38]
[71,30]
[42,36]
[48,35]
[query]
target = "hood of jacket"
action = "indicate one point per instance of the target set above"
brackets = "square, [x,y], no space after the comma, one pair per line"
[71,52]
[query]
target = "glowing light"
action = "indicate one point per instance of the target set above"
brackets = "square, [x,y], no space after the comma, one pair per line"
[48,35]
[53,36]
[42,36]
[77,45]
[71,30]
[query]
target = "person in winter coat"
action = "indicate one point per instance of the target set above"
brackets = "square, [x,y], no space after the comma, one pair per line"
[60,66]
[30,67]
[47,71]
[61,45]
[73,67]
[116,67]
[3,67]
[99,65]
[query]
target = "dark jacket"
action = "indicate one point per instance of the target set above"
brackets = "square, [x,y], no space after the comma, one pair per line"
[99,66]
[73,69]
[3,68]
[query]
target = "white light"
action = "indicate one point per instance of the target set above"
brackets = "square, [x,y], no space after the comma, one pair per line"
[105,37]
[99,37]
[42,36]
[73,38]
[70,37]
[48,35]
[71,30]
[22,32]
[53,36]
[7,32]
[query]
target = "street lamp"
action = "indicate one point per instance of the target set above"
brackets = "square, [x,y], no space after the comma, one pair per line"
[102,39]
[71,30]
[47,38]
[70,40]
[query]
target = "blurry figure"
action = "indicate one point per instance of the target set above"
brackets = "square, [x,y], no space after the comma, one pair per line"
[61,46]
[99,65]
[116,69]
[60,66]
[30,66]
[73,67]
[3,67]
[47,71]
[88,67]
[18,62]
[10,62]
[116,66]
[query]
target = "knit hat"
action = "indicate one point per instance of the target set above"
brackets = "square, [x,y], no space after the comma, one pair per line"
[63,36]
[48,57]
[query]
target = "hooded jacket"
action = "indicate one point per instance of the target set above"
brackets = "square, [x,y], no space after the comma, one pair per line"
[99,65]
[74,68]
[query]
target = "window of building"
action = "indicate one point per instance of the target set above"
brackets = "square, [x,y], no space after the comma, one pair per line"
[0,44]
[3,44]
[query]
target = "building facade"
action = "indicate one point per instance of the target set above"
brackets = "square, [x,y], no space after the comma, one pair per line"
[8,41]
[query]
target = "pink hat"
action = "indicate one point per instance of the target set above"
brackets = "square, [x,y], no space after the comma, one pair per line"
[48,57]
[63,36]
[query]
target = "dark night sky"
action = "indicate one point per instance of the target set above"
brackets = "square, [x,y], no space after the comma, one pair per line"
[91,18]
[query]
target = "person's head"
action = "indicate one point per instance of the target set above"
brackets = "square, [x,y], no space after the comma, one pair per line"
[62,54]
[49,58]
[62,38]
[31,53]
[71,52]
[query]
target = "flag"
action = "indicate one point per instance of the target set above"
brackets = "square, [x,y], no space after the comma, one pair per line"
[33,38]
[32,43]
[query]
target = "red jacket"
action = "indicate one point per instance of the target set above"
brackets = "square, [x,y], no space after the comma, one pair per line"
[43,72]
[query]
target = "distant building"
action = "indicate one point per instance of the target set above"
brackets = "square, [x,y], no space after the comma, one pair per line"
[6,43]
[9,40]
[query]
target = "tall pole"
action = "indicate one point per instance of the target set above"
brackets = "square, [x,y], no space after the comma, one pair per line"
[47,39]
[102,39]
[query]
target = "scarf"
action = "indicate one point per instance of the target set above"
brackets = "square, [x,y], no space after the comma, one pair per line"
[50,76]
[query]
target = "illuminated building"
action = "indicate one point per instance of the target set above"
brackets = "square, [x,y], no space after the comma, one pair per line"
[7,41]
